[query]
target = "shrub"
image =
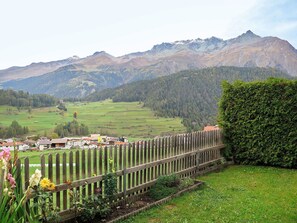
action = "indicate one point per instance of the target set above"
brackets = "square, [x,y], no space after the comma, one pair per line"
[94,207]
[186,182]
[165,186]
[259,122]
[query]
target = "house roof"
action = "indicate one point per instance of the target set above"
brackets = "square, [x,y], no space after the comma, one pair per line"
[211,128]
[29,141]
[11,143]
[44,142]
[59,141]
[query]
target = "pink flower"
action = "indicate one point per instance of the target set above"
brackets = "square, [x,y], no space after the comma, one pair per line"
[11,180]
[5,154]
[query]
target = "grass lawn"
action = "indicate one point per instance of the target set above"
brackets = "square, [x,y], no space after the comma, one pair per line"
[128,119]
[238,194]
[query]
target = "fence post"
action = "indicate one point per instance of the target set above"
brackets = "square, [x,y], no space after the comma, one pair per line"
[125,172]
[198,154]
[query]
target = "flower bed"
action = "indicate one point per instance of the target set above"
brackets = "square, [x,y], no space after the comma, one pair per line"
[143,203]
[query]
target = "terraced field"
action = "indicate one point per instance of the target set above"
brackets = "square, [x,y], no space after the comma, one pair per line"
[128,119]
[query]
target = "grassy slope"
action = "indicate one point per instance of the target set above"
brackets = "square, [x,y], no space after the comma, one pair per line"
[238,194]
[121,119]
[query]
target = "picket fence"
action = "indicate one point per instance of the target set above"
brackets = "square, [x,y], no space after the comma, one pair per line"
[137,165]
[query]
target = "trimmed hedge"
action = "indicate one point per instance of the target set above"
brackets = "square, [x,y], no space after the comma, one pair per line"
[259,121]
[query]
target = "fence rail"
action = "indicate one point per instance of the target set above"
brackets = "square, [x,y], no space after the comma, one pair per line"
[136,165]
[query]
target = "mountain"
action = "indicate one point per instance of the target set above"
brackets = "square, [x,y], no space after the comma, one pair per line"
[192,95]
[34,69]
[80,77]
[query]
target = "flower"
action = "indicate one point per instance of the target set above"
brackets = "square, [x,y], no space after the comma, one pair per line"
[5,190]
[44,183]
[5,154]
[35,178]
[51,186]
[11,180]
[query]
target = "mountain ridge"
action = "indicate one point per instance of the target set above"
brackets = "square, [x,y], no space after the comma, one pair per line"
[102,70]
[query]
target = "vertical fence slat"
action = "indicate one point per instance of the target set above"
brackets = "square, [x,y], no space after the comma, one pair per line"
[121,167]
[95,170]
[124,171]
[148,159]
[64,180]
[129,165]
[89,170]
[71,166]
[100,165]
[58,177]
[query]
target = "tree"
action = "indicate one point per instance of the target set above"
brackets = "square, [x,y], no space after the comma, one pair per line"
[75,115]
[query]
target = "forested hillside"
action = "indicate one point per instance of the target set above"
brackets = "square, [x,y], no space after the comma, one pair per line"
[191,94]
[24,99]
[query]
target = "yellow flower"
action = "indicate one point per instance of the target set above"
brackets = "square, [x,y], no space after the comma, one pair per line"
[51,186]
[44,183]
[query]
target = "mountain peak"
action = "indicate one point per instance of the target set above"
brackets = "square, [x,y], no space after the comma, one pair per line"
[99,53]
[74,58]
[249,35]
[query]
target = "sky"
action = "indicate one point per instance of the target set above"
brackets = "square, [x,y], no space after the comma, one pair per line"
[47,30]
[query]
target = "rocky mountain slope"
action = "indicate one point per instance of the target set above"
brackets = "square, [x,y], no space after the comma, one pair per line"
[80,77]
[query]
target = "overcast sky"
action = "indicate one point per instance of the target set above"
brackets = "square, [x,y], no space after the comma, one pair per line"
[35,30]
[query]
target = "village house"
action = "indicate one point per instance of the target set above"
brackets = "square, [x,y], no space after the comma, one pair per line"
[211,128]
[59,143]
[43,143]
[14,145]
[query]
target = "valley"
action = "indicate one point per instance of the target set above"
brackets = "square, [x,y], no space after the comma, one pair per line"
[128,119]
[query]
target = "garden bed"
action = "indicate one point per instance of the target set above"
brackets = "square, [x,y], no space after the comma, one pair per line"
[144,202]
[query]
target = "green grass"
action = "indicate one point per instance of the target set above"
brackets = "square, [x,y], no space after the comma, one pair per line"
[128,119]
[238,194]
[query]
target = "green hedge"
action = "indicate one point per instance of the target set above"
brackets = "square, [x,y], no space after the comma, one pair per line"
[259,120]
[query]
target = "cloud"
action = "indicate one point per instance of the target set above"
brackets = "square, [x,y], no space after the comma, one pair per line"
[276,18]
[270,18]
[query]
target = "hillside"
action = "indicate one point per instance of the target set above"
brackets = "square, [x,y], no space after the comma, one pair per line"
[192,95]
[81,77]
[117,119]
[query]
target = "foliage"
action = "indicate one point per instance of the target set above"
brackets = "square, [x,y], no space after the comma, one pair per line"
[71,129]
[186,182]
[98,205]
[110,186]
[14,130]
[23,99]
[191,95]
[13,200]
[260,123]
[94,207]
[164,186]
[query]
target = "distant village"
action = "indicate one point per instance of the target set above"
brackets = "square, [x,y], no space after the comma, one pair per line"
[43,143]
[86,142]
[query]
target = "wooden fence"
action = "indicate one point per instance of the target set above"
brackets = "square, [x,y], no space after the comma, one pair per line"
[137,165]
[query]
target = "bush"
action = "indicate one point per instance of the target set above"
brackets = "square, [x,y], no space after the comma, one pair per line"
[94,207]
[259,122]
[165,186]
[186,182]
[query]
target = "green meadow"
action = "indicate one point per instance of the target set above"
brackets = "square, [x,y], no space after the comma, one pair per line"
[128,119]
[238,194]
